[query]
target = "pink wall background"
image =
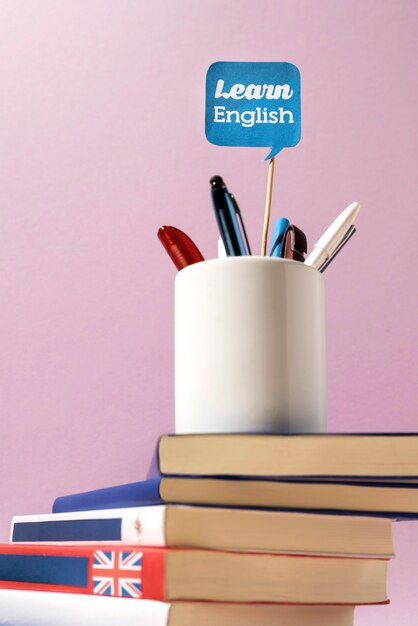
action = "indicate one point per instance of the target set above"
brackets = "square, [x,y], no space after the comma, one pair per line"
[102,141]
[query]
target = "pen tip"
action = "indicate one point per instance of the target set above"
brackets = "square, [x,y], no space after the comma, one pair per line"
[354,208]
[164,232]
[216,182]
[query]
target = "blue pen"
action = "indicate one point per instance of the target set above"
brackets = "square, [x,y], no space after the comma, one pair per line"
[226,218]
[279,228]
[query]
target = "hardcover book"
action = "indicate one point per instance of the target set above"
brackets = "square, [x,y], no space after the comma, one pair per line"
[33,608]
[169,574]
[213,528]
[394,500]
[389,456]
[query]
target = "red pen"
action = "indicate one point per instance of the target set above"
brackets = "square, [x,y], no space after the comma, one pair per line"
[180,248]
[294,244]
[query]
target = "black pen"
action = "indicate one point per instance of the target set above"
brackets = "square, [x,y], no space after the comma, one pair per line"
[226,218]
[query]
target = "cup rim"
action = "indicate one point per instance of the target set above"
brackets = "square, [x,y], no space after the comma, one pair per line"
[240,260]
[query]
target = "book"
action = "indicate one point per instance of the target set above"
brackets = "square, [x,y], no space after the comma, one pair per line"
[213,528]
[142,493]
[393,500]
[178,574]
[392,456]
[45,608]
[33,608]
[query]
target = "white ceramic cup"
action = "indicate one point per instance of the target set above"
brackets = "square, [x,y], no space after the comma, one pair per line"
[249,347]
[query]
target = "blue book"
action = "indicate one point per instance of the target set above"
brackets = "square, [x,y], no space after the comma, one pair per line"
[393,500]
[143,493]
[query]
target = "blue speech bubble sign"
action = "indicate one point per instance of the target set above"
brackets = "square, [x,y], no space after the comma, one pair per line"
[253,104]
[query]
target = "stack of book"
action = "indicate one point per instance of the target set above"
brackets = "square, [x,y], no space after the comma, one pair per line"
[290,530]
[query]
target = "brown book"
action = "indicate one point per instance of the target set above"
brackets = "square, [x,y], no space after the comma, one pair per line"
[391,456]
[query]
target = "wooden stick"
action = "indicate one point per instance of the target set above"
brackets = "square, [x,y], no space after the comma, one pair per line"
[268,207]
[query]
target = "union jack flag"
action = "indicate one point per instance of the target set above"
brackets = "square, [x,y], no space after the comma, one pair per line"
[117,573]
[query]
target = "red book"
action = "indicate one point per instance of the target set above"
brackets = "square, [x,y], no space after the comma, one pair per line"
[193,574]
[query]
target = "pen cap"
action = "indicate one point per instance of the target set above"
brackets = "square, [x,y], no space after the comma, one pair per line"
[249,347]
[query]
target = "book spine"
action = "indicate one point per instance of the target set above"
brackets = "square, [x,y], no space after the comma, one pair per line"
[143,493]
[21,607]
[132,526]
[113,571]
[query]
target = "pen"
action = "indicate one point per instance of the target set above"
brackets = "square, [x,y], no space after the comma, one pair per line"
[328,243]
[180,248]
[226,218]
[279,228]
[241,221]
[294,244]
[348,236]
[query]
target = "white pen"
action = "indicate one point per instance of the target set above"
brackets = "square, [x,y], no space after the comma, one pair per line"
[332,237]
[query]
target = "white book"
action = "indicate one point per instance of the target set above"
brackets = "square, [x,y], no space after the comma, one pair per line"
[43,608]
[132,525]
[213,528]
